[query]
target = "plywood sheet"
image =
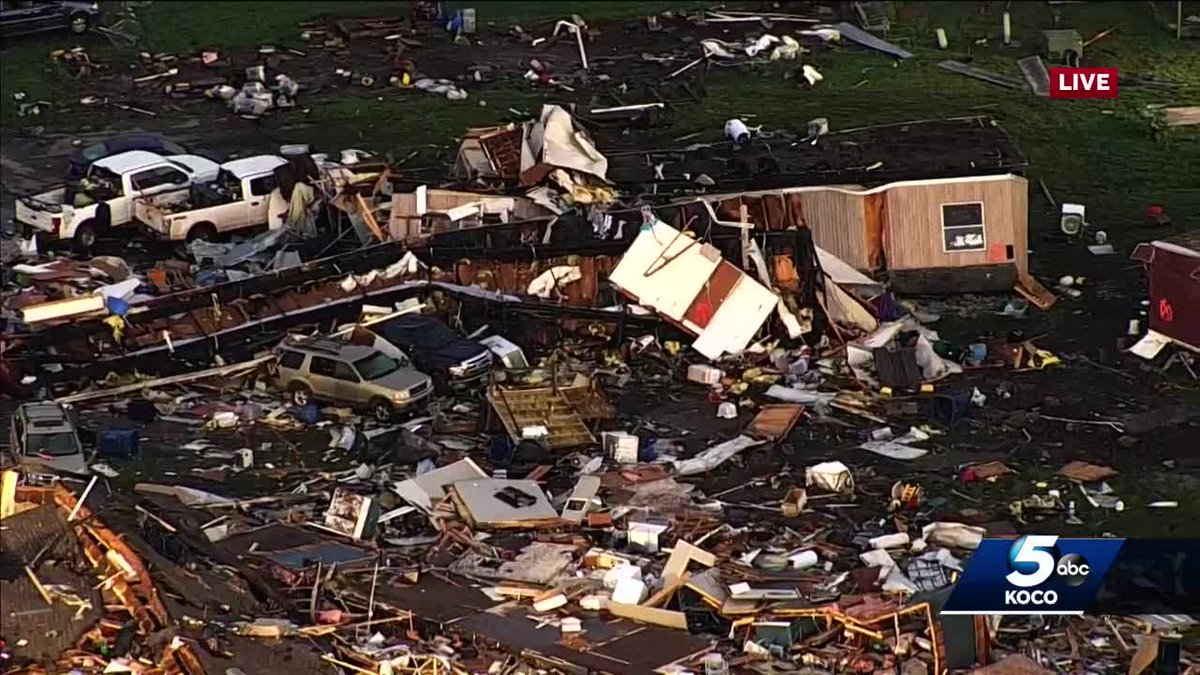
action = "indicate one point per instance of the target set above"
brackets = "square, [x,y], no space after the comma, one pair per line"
[652,615]
[490,502]
[1033,291]
[665,270]
[430,487]
[715,290]
[737,320]
[774,422]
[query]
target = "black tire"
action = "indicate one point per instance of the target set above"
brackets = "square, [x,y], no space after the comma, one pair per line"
[103,217]
[202,232]
[41,238]
[441,383]
[85,237]
[44,241]
[300,394]
[382,410]
[80,23]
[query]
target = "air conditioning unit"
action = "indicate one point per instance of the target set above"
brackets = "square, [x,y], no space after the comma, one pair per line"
[1072,221]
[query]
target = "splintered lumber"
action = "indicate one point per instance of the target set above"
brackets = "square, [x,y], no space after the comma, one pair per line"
[1033,291]
[1183,117]
[368,217]
[960,68]
[220,371]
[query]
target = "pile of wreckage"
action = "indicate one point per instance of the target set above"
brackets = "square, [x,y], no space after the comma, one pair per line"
[517,520]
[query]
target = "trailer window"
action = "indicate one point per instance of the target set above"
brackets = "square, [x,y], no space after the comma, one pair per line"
[962,227]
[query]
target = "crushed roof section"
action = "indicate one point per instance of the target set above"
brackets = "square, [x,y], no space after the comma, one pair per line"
[917,150]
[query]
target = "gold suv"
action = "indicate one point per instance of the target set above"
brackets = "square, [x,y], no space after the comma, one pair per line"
[329,370]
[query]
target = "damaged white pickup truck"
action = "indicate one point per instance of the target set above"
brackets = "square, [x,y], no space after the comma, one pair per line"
[239,198]
[106,195]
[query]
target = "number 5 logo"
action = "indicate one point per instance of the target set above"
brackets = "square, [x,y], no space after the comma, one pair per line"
[1027,552]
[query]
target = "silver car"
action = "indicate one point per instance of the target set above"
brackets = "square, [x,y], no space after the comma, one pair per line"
[43,440]
[329,370]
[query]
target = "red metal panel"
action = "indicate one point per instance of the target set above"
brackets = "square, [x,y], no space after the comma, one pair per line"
[1175,295]
[715,290]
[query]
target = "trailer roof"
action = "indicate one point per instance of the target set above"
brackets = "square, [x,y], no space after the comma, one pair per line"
[1187,243]
[868,156]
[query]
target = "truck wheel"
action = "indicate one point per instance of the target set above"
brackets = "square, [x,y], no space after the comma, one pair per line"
[85,237]
[41,238]
[202,232]
[383,410]
[44,241]
[80,23]
[301,394]
[441,382]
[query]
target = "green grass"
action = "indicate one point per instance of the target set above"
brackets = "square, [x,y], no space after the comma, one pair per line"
[1105,153]
[188,27]
[178,26]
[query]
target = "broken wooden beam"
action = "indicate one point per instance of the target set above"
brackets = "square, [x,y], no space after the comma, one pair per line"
[221,371]
[960,68]
[369,218]
[1182,116]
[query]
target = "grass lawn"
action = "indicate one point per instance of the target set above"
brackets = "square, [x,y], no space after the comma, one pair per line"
[1104,153]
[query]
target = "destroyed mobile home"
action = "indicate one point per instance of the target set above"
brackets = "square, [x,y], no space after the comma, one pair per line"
[572,410]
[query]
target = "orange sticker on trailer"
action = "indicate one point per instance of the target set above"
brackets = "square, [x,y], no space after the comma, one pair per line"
[997,253]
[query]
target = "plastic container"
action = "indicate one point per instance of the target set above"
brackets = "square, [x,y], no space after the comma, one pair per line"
[704,374]
[118,443]
[294,150]
[737,131]
[804,560]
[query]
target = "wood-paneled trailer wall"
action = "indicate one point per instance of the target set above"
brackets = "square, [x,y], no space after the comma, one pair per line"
[913,235]
[898,224]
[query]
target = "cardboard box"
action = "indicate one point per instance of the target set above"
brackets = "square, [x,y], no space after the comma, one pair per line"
[702,374]
[622,447]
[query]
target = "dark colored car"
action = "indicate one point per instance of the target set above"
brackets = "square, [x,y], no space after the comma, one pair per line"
[83,157]
[437,350]
[28,18]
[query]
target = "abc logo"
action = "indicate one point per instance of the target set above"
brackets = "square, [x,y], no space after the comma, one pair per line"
[1034,559]
[1072,569]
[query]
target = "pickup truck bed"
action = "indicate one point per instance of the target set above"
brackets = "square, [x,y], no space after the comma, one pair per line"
[174,220]
[239,199]
[108,195]
[39,209]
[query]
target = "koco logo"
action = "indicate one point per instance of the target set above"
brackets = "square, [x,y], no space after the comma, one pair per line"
[1032,561]
[1083,83]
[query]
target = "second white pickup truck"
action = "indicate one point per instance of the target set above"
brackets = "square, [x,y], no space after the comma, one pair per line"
[238,198]
[106,195]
